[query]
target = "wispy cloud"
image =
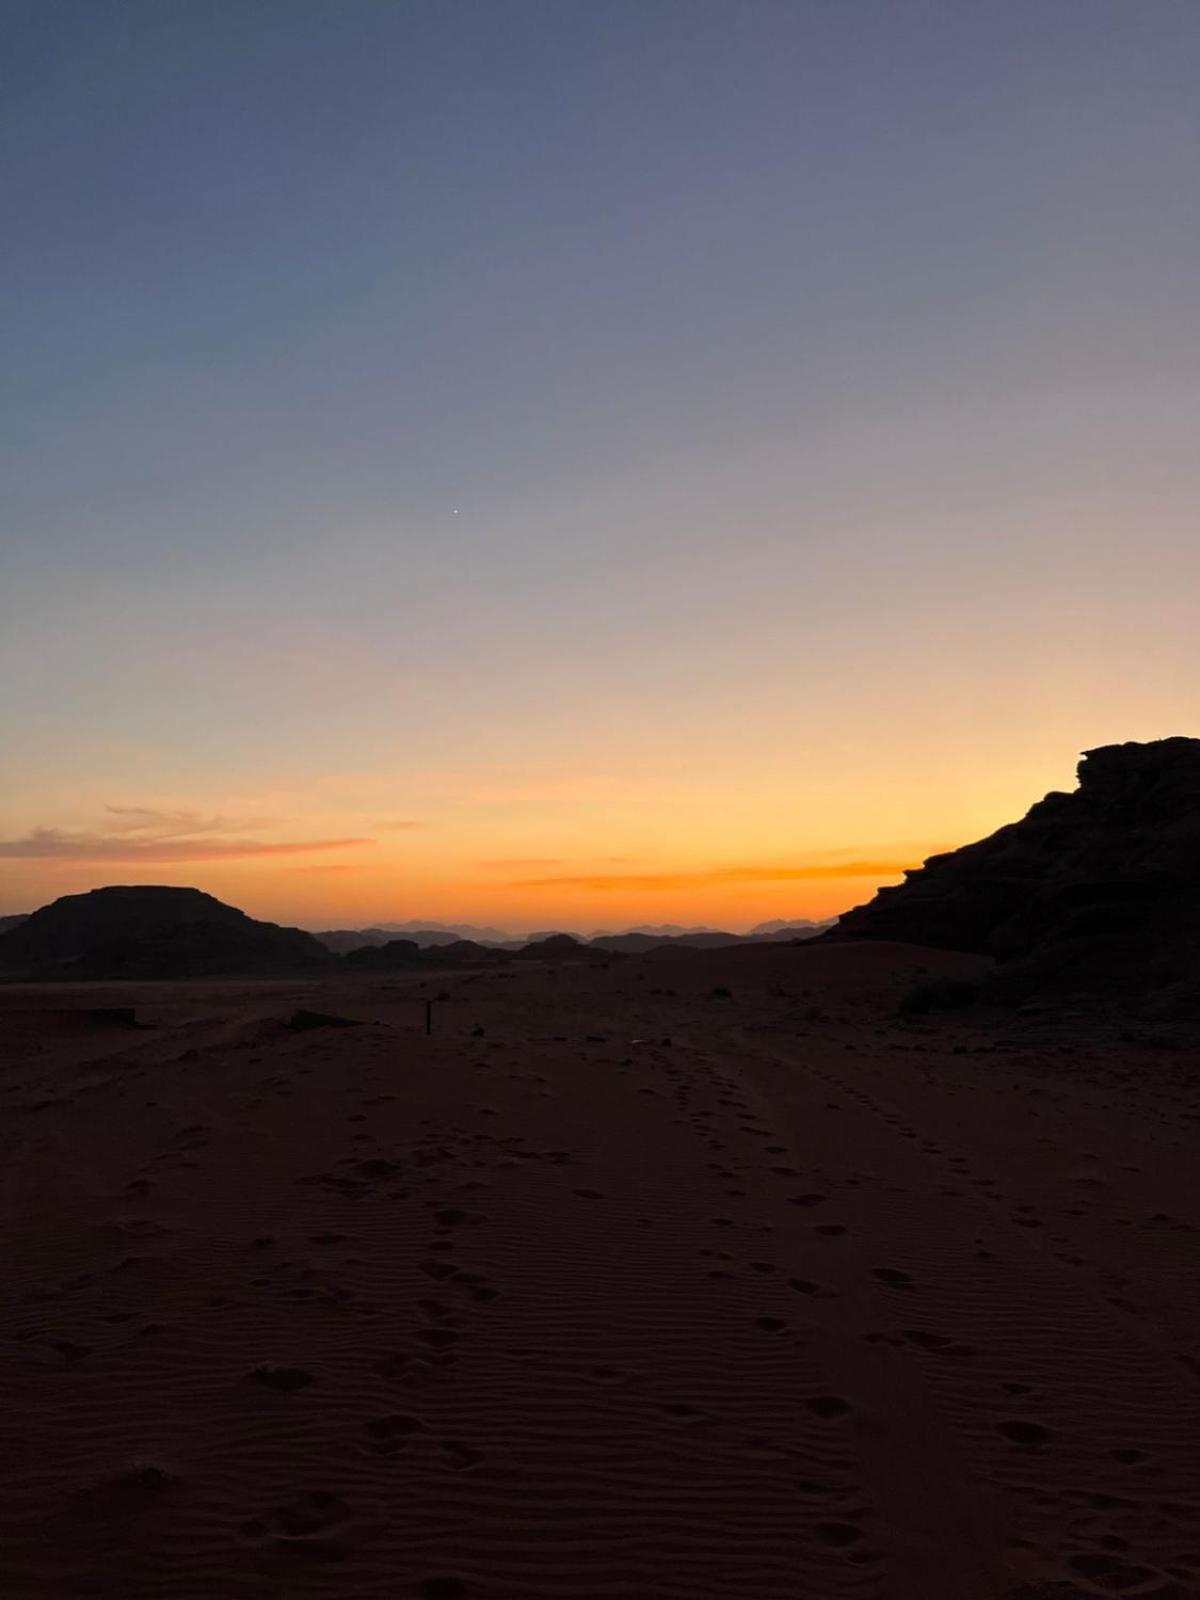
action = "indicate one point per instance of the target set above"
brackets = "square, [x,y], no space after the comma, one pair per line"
[710,877]
[179,824]
[143,833]
[54,844]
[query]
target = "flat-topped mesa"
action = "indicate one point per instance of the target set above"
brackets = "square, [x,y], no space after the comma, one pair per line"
[1099,888]
[152,931]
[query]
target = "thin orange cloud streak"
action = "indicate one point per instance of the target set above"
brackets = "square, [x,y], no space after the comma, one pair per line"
[53,844]
[717,875]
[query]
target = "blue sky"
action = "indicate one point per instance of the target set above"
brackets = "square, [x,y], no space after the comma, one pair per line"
[722,406]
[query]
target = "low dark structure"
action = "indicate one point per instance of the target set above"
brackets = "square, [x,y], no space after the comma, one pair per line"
[1095,892]
[152,932]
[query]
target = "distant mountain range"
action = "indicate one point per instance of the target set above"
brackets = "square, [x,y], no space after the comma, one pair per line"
[433,932]
[150,931]
[1096,892]
[429,934]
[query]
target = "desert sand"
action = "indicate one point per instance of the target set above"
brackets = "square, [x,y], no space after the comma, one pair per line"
[615,1285]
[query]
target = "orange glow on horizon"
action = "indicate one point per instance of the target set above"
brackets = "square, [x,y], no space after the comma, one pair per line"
[377,887]
[604,882]
[536,844]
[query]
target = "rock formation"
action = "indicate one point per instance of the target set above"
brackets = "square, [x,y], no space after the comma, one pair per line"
[556,947]
[1093,891]
[152,932]
[382,957]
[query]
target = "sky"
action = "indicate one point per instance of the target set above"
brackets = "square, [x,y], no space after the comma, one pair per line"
[558,463]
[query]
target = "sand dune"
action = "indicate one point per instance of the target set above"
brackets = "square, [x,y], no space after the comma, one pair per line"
[692,1275]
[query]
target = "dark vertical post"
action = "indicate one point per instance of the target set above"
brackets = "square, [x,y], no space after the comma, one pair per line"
[429,1016]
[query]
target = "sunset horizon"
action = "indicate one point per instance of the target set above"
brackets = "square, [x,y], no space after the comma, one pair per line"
[600,805]
[356,868]
[675,455]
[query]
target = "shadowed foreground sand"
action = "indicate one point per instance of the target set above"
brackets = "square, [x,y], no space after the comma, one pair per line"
[784,1299]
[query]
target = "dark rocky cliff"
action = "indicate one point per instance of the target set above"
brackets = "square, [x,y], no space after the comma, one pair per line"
[1097,890]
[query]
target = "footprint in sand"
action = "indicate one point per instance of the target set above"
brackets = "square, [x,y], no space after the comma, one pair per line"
[828,1406]
[439,1338]
[477,1286]
[925,1340]
[454,1217]
[389,1434]
[893,1277]
[438,1269]
[284,1380]
[376,1168]
[193,1137]
[1026,1435]
[125,1494]
[304,1526]
[437,1309]
[838,1534]
[402,1367]
[1110,1573]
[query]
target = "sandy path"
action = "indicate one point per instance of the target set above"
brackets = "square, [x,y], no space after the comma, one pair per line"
[541,1312]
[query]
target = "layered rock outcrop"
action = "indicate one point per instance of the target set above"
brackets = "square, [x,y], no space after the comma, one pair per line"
[1097,890]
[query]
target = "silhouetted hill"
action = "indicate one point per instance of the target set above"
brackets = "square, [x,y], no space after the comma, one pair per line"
[710,939]
[1093,891]
[397,953]
[152,932]
[637,943]
[342,940]
[432,932]
[555,947]
[6,923]
[383,957]
[465,952]
[630,944]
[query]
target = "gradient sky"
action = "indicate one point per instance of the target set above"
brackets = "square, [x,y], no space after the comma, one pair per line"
[576,462]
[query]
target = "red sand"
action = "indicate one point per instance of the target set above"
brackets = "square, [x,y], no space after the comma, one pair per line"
[806,1302]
